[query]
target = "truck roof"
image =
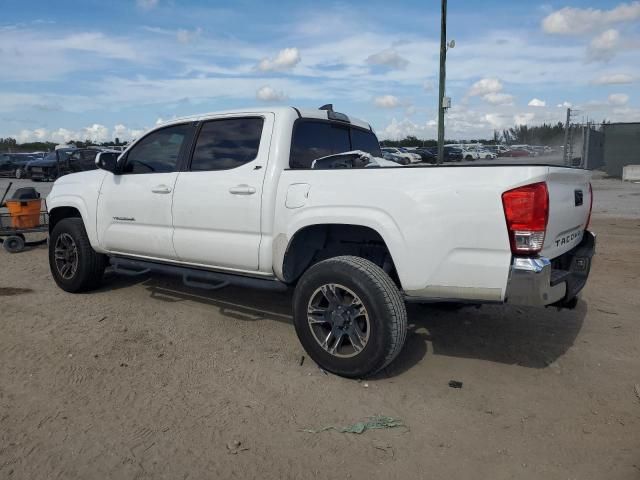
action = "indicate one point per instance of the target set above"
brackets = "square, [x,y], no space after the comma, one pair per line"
[300,112]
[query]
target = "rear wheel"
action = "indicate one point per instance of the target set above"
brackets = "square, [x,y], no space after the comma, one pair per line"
[19,173]
[75,265]
[349,316]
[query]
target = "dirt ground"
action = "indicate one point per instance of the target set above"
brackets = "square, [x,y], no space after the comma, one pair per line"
[148,379]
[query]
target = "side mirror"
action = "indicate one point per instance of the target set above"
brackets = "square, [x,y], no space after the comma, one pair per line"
[107,161]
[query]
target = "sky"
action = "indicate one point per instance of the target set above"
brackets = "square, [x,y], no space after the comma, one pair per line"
[99,70]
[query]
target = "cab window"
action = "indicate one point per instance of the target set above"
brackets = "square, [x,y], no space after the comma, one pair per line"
[158,152]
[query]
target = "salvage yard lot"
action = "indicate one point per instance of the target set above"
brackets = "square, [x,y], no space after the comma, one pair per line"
[149,379]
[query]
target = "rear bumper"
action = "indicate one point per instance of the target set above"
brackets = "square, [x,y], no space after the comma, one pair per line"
[540,281]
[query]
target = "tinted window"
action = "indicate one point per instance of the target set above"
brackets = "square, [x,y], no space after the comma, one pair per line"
[366,141]
[313,140]
[228,143]
[158,152]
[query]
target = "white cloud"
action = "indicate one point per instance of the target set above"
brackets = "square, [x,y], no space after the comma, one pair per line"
[400,129]
[564,104]
[498,120]
[535,102]
[618,99]
[490,89]
[576,21]
[147,4]
[485,86]
[96,133]
[499,98]
[124,133]
[285,60]
[187,36]
[386,101]
[604,46]
[524,118]
[614,79]
[268,94]
[388,58]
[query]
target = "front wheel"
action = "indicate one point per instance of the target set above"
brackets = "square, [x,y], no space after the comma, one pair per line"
[349,316]
[19,173]
[75,265]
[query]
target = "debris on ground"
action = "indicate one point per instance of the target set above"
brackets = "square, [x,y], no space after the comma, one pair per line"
[235,447]
[638,391]
[375,422]
[103,318]
[301,360]
[455,384]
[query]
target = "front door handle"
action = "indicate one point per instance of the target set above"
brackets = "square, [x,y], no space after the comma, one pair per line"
[243,189]
[161,189]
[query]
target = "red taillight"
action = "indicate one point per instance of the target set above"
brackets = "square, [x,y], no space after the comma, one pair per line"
[526,210]
[590,206]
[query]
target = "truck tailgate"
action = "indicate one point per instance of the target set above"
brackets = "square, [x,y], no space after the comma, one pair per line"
[569,206]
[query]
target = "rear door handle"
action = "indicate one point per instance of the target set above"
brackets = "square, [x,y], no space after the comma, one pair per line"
[242,190]
[161,189]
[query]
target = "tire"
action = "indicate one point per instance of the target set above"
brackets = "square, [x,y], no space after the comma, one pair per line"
[89,265]
[13,244]
[19,173]
[384,317]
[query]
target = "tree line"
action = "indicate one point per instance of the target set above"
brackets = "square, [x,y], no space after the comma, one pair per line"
[11,145]
[545,134]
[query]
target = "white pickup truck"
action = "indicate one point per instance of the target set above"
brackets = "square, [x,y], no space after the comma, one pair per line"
[240,198]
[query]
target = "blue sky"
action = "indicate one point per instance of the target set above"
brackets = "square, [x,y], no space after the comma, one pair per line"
[97,70]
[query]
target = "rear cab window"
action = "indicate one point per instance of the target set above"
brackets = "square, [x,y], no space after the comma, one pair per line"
[313,139]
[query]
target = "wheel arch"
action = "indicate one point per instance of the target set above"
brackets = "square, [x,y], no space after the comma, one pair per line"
[314,242]
[57,214]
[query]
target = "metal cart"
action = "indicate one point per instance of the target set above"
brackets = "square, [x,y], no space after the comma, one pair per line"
[13,238]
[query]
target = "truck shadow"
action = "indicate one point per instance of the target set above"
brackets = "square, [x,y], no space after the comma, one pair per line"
[528,337]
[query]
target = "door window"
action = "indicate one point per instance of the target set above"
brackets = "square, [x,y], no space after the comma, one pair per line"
[158,152]
[227,143]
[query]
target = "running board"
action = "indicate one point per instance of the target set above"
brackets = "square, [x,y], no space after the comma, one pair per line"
[193,277]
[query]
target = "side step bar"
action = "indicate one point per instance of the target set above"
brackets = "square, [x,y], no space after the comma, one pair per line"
[193,277]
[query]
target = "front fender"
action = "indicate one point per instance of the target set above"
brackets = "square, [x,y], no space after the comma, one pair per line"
[79,191]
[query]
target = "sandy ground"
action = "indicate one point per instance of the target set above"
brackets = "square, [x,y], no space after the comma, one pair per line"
[148,379]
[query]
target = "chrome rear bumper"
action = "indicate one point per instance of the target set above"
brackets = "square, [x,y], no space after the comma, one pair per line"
[539,281]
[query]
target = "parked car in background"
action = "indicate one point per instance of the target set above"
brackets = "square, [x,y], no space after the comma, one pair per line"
[468,153]
[14,164]
[395,158]
[403,152]
[497,149]
[64,161]
[527,148]
[453,154]
[429,155]
[516,152]
[484,154]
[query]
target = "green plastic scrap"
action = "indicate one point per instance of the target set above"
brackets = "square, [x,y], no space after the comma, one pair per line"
[374,423]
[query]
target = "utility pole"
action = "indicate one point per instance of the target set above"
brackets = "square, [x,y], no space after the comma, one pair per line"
[443,61]
[567,128]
